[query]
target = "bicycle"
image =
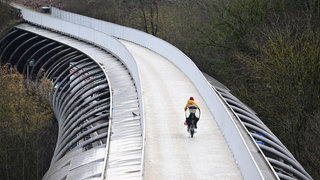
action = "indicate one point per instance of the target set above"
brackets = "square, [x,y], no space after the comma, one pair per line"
[192,114]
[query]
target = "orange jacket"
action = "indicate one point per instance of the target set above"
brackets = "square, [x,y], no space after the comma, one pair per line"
[190,103]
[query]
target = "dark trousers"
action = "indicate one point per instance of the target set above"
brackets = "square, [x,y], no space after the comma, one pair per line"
[195,122]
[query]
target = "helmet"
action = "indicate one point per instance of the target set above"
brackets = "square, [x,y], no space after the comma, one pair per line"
[191,98]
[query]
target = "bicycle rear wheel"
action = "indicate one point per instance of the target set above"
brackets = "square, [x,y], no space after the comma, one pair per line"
[191,130]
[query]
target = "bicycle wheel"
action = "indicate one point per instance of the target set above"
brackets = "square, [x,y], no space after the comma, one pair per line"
[191,130]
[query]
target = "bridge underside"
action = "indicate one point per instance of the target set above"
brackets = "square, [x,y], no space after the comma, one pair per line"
[82,98]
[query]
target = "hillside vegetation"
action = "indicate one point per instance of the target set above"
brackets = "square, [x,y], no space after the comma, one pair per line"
[28,130]
[265,51]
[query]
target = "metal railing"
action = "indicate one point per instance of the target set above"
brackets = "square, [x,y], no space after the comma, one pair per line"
[273,151]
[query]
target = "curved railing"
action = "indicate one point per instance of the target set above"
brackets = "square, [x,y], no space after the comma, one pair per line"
[276,154]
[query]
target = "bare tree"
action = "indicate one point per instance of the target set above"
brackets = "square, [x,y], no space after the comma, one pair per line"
[150,15]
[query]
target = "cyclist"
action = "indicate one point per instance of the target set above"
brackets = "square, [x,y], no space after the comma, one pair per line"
[193,106]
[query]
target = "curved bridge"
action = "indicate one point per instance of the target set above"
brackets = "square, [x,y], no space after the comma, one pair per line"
[112,87]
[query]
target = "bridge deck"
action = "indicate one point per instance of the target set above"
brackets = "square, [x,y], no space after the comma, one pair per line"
[170,151]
